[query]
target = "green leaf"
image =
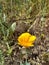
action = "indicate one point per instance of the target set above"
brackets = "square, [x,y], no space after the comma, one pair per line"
[27,63]
[13,26]
[9,51]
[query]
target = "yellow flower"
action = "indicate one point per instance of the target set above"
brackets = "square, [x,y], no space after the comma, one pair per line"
[26,39]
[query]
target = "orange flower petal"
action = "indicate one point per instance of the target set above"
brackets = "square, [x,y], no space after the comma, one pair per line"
[26,39]
[32,39]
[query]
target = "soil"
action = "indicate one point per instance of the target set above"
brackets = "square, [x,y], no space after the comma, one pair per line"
[37,55]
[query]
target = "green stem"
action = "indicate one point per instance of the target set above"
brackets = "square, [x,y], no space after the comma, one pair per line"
[7,45]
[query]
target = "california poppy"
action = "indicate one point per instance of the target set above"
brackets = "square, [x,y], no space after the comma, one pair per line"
[26,39]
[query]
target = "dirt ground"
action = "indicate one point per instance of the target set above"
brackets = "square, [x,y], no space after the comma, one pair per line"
[37,55]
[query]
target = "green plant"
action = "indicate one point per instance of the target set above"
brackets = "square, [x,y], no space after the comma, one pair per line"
[7,30]
[1,58]
[25,63]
